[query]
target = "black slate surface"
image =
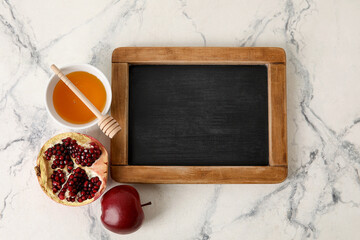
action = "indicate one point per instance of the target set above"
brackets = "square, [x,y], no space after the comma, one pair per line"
[198,115]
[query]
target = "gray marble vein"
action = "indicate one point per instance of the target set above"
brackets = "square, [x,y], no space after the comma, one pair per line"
[3,208]
[206,229]
[193,23]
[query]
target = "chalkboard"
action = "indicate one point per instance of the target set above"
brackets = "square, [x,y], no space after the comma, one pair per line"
[198,115]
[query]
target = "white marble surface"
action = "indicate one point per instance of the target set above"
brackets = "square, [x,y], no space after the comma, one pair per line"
[319,200]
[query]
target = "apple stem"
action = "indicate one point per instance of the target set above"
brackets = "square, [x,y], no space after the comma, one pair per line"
[145,204]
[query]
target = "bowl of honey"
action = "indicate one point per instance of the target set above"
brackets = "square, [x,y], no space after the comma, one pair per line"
[66,108]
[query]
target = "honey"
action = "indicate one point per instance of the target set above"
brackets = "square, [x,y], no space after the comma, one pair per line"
[70,107]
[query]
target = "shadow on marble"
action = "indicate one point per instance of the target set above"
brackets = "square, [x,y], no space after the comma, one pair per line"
[150,193]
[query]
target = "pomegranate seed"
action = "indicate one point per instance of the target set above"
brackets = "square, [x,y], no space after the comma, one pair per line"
[78,185]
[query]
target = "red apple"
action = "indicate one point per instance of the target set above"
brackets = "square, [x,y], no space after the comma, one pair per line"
[122,210]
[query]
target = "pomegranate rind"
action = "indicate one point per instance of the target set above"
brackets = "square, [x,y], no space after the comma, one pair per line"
[99,168]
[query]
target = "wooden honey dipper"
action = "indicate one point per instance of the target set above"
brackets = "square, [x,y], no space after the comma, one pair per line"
[107,124]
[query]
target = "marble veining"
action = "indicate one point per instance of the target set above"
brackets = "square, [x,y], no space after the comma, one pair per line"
[319,200]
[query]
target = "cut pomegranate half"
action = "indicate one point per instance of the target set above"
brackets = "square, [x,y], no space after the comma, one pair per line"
[72,169]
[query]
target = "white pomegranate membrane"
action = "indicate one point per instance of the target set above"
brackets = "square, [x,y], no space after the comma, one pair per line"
[72,169]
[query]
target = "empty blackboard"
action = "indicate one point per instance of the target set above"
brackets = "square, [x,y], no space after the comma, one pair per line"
[198,115]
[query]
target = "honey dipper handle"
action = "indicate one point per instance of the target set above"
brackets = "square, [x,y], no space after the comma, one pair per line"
[77,92]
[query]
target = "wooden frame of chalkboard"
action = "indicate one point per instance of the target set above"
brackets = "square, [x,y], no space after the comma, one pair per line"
[275,61]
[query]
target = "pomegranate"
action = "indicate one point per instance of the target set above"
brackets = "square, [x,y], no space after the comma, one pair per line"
[72,169]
